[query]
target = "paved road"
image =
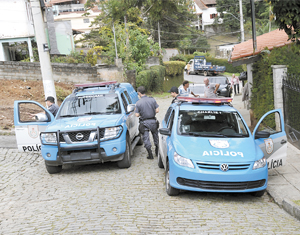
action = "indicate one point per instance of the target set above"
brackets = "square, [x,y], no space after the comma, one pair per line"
[102,199]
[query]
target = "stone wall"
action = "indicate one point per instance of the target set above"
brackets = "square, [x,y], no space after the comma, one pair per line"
[61,72]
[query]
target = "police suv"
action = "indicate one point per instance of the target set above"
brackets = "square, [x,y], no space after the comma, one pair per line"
[94,124]
[205,145]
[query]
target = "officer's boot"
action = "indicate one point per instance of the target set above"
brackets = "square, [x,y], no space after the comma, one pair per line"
[150,156]
[156,150]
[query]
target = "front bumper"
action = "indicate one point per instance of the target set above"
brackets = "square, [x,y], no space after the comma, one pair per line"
[208,180]
[84,153]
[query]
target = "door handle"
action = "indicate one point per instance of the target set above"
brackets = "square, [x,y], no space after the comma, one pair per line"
[283,141]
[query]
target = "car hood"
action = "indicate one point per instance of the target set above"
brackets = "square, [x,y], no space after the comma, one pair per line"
[84,122]
[226,149]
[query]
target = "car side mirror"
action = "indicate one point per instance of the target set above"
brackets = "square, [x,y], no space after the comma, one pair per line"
[41,117]
[261,134]
[165,131]
[130,108]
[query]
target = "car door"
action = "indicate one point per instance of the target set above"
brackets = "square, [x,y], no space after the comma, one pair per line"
[166,140]
[130,117]
[30,119]
[275,146]
[134,120]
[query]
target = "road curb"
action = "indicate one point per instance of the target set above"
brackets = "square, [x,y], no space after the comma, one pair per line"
[4,132]
[291,207]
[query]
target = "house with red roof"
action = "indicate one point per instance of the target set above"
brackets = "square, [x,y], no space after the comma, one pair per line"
[206,11]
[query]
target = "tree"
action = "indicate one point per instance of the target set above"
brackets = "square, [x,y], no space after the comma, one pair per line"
[231,18]
[288,17]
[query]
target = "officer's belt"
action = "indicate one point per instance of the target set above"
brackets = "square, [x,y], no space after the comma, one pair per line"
[153,118]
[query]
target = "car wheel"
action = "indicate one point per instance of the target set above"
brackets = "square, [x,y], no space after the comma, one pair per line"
[53,169]
[258,193]
[205,73]
[159,161]
[169,189]
[140,142]
[126,161]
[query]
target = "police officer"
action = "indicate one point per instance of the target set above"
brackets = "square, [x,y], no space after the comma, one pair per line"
[52,107]
[146,109]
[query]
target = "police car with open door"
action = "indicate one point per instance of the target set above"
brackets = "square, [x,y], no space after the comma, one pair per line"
[94,124]
[205,145]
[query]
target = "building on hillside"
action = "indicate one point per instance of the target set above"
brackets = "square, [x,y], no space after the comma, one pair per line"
[73,10]
[16,27]
[206,11]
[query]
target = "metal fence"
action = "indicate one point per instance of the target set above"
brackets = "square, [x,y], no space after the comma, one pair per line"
[291,106]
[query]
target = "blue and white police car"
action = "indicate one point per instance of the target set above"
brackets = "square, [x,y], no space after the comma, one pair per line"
[94,124]
[206,146]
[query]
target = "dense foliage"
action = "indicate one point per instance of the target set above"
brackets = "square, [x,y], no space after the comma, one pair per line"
[152,79]
[174,67]
[229,12]
[262,98]
[288,17]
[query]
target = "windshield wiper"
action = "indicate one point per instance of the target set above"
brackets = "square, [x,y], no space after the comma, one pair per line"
[205,134]
[68,115]
[95,113]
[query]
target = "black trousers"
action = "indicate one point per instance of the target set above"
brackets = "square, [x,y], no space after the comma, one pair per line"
[236,87]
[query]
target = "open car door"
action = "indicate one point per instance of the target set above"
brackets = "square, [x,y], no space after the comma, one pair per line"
[30,119]
[275,146]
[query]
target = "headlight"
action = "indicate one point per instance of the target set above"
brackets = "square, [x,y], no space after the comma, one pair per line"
[112,132]
[182,161]
[48,138]
[259,163]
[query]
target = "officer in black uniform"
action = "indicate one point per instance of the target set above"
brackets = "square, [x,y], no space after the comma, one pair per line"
[146,109]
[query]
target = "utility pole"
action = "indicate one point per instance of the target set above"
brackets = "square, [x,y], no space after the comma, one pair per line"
[253,25]
[43,49]
[241,21]
[159,38]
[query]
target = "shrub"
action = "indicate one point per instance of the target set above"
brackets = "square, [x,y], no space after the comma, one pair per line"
[174,67]
[152,79]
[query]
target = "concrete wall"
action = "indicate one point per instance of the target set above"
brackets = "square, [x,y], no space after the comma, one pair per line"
[79,73]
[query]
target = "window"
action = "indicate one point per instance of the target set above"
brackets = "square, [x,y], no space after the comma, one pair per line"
[168,115]
[128,97]
[86,20]
[271,124]
[125,104]
[27,111]
[212,16]
[170,124]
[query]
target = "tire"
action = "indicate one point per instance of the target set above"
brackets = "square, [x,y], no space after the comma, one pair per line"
[205,73]
[126,161]
[258,193]
[169,189]
[159,161]
[141,140]
[53,169]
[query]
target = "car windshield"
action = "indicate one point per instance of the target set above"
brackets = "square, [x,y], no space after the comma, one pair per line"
[90,105]
[211,124]
[221,80]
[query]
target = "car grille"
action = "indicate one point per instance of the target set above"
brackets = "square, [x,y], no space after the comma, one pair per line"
[86,135]
[215,185]
[216,166]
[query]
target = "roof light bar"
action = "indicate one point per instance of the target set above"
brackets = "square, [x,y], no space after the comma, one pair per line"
[205,100]
[98,84]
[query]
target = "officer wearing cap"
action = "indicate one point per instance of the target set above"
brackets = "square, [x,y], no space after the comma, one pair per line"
[174,93]
[52,107]
[146,109]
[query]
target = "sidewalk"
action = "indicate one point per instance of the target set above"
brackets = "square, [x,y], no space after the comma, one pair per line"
[284,182]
